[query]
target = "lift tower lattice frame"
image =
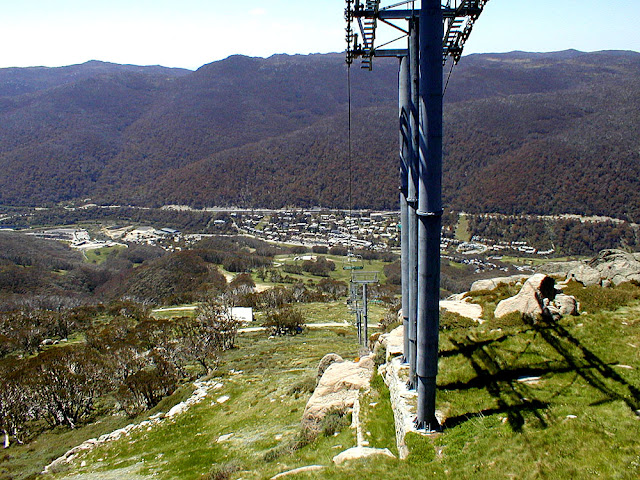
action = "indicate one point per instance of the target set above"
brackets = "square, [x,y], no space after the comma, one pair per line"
[437,30]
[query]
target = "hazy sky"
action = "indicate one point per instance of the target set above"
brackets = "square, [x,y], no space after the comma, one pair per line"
[190,33]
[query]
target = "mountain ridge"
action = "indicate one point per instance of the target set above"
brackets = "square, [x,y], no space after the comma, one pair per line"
[151,136]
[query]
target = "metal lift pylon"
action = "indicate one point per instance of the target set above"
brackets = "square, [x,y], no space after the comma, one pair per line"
[436,31]
[358,286]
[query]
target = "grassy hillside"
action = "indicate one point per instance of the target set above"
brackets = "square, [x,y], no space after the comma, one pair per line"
[521,400]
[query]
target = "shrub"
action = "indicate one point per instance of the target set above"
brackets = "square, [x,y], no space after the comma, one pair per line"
[595,298]
[306,385]
[334,421]
[284,320]
[304,438]
[380,355]
[390,321]
[453,321]
[222,471]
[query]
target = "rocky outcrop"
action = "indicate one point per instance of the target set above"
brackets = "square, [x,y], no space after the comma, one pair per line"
[538,297]
[461,304]
[609,267]
[338,389]
[493,283]
[360,452]
[393,342]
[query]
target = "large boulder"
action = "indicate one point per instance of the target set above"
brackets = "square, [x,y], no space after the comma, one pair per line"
[616,266]
[538,297]
[337,390]
[393,342]
[529,300]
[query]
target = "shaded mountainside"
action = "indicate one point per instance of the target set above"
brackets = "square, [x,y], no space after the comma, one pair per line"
[524,133]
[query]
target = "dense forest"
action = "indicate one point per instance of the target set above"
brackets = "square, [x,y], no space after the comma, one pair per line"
[565,236]
[524,133]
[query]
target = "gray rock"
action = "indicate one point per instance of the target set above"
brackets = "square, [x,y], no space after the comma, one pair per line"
[558,269]
[529,300]
[609,267]
[338,390]
[538,297]
[493,283]
[566,304]
[356,453]
[584,274]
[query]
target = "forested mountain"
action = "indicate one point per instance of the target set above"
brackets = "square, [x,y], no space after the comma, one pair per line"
[531,133]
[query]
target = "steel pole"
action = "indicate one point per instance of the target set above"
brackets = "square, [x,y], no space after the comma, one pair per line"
[412,200]
[404,107]
[365,317]
[429,210]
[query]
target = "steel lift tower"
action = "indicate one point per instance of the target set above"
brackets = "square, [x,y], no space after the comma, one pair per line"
[436,30]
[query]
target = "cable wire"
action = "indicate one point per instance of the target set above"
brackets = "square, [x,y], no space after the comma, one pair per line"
[453,64]
[349,157]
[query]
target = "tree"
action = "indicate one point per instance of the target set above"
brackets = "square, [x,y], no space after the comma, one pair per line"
[284,320]
[212,331]
[16,403]
[145,388]
[65,383]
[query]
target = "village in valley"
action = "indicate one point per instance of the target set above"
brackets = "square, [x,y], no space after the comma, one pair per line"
[362,229]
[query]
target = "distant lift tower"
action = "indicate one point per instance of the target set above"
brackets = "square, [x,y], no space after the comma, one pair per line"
[436,30]
[359,302]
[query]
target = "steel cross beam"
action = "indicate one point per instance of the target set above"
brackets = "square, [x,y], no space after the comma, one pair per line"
[459,21]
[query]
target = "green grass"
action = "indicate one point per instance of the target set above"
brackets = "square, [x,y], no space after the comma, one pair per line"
[263,412]
[99,255]
[337,312]
[174,312]
[594,298]
[339,273]
[378,425]
[536,261]
[576,421]
[263,222]
[462,229]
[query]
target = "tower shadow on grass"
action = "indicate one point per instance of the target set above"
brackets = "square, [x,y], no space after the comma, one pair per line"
[587,364]
[514,397]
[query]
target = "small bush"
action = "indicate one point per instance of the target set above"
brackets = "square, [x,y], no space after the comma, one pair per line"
[595,298]
[453,321]
[285,320]
[334,421]
[306,385]
[221,472]
[304,438]
[380,355]
[390,320]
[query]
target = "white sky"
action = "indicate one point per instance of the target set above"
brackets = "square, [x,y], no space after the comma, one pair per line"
[190,33]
